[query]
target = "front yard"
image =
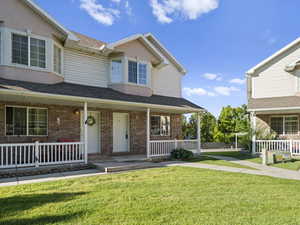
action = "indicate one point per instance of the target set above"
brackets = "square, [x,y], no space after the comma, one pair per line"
[294,165]
[172,195]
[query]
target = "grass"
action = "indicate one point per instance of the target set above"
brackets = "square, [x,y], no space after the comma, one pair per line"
[169,196]
[212,161]
[293,165]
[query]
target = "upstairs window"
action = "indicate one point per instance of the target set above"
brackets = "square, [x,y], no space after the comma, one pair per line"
[20,51]
[116,71]
[160,125]
[57,59]
[137,72]
[37,53]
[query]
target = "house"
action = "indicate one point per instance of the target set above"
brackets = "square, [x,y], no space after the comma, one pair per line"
[274,99]
[65,97]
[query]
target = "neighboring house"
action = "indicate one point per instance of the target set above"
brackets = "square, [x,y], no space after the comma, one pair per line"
[67,95]
[274,98]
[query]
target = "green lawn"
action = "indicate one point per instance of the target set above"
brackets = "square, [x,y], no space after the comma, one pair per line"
[213,161]
[169,196]
[294,165]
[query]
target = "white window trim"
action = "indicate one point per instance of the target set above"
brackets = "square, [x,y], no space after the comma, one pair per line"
[123,69]
[29,36]
[138,62]
[283,125]
[27,114]
[62,59]
[161,135]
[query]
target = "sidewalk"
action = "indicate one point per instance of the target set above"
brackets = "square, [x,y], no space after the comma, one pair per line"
[48,177]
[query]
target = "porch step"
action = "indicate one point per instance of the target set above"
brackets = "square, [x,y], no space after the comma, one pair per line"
[111,167]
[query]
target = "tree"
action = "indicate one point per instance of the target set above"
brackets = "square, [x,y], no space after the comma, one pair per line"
[208,123]
[231,121]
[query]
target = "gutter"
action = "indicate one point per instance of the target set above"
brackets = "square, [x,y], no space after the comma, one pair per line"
[96,100]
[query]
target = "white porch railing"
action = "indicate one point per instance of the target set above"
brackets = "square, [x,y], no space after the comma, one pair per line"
[164,148]
[36,154]
[292,146]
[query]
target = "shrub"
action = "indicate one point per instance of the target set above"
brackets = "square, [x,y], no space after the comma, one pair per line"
[181,154]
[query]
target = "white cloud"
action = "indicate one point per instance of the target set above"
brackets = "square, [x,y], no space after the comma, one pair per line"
[116,1]
[222,90]
[166,10]
[212,76]
[198,92]
[128,8]
[237,81]
[106,16]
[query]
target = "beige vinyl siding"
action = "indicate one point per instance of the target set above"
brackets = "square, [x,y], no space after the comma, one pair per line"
[274,81]
[83,69]
[167,81]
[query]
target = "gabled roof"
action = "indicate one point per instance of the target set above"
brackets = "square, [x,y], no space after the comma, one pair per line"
[89,42]
[269,59]
[152,38]
[50,19]
[144,40]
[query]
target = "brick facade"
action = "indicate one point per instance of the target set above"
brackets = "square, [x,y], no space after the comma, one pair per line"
[68,127]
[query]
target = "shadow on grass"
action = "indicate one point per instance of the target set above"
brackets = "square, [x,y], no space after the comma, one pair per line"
[234,154]
[53,219]
[10,206]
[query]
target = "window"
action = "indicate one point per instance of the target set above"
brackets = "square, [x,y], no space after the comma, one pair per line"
[37,53]
[57,58]
[160,125]
[26,121]
[137,72]
[116,71]
[285,125]
[20,50]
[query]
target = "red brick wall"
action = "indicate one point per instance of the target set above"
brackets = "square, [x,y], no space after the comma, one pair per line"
[69,128]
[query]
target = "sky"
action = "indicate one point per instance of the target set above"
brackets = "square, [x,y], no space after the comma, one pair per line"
[217,41]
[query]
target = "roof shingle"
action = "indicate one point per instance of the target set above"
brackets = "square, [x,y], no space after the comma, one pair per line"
[77,90]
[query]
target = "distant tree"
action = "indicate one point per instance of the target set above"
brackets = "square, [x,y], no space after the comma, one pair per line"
[208,123]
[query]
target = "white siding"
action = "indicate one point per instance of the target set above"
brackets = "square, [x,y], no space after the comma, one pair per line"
[274,81]
[84,69]
[167,81]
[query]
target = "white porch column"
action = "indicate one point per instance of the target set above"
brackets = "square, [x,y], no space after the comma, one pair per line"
[148,132]
[253,129]
[199,132]
[85,126]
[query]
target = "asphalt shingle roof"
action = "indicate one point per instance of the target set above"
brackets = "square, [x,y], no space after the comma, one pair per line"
[78,90]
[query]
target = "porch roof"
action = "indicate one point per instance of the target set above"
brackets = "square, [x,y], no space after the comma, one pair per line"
[89,92]
[275,103]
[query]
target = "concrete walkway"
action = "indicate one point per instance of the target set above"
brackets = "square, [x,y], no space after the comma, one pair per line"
[48,177]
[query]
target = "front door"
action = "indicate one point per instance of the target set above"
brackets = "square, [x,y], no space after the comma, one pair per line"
[93,133]
[120,132]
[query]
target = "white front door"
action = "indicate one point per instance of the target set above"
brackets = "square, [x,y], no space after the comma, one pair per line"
[120,132]
[93,133]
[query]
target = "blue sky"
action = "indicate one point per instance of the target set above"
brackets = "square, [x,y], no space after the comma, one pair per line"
[216,40]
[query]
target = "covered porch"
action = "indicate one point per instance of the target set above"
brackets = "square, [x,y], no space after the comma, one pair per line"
[275,129]
[59,129]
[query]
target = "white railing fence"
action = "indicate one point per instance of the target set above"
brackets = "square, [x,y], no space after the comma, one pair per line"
[36,154]
[292,146]
[164,148]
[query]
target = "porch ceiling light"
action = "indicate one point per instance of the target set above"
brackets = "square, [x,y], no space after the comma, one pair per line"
[76,112]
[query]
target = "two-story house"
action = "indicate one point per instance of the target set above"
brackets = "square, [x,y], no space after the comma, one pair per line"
[274,99]
[64,96]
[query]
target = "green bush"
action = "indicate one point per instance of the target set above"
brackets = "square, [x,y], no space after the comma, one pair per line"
[181,154]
